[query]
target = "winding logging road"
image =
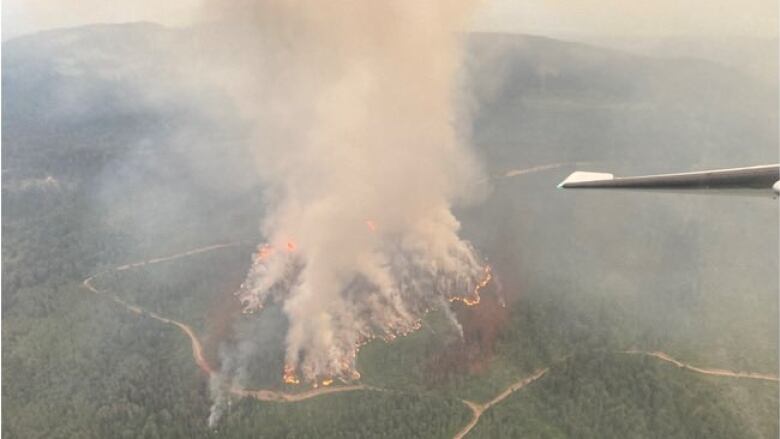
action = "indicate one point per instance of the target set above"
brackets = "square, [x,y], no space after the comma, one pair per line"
[663,356]
[476,408]
[197,346]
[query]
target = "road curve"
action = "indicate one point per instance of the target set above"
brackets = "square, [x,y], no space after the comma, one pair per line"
[663,356]
[270,395]
[477,409]
[197,346]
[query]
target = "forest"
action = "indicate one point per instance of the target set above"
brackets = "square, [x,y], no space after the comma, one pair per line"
[85,193]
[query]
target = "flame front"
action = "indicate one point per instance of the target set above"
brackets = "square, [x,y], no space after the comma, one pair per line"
[384,304]
[475,296]
[289,376]
[361,161]
[264,253]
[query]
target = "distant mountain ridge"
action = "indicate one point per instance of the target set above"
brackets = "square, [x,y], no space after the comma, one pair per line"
[47,73]
[108,158]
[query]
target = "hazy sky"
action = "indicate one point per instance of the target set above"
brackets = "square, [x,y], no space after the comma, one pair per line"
[753,18]
[634,18]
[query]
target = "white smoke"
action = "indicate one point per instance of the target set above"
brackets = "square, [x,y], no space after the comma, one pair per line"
[219,387]
[353,106]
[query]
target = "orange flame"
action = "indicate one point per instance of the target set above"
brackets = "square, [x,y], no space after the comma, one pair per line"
[475,297]
[291,246]
[289,376]
[371,225]
[347,367]
[264,253]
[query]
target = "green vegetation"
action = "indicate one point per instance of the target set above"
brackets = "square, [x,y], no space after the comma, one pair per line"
[183,289]
[351,415]
[543,328]
[91,369]
[585,277]
[618,396]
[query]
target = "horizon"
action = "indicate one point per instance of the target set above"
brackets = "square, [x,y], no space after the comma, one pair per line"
[729,19]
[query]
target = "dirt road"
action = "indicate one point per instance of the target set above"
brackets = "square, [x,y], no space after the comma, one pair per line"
[663,356]
[477,409]
[197,346]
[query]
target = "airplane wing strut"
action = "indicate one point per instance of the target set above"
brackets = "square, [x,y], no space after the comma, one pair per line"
[753,180]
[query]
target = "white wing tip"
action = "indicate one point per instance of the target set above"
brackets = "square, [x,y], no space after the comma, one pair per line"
[581,177]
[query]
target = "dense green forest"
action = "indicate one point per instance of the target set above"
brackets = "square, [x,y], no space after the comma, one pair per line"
[366,415]
[84,193]
[182,289]
[617,396]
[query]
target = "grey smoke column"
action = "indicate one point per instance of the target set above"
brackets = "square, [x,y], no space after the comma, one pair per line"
[353,106]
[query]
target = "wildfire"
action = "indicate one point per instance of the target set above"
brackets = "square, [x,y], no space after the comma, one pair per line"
[289,376]
[371,225]
[264,253]
[475,296]
[347,364]
[345,370]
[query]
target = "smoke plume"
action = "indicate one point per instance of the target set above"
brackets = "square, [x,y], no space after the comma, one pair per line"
[353,107]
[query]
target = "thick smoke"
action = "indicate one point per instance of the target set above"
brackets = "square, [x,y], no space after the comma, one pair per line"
[353,106]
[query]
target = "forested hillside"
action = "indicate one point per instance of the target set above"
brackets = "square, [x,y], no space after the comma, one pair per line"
[580,278]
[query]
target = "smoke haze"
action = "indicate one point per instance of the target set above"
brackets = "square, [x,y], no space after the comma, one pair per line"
[352,108]
[149,158]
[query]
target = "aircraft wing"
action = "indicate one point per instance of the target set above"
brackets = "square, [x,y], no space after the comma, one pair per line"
[753,180]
